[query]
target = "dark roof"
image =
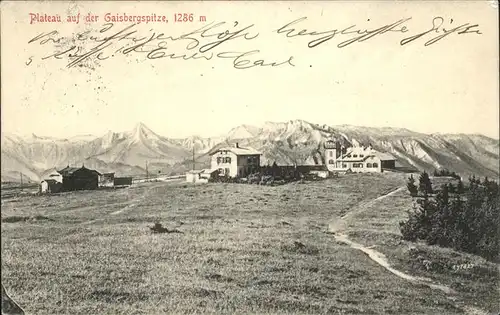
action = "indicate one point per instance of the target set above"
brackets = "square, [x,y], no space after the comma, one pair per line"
[238,151]
[96,172]
[70,170]
[386,157]
[50,181]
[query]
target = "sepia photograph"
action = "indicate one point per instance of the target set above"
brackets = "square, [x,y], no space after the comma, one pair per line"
[250,157]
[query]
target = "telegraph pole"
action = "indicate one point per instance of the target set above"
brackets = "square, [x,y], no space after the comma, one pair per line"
[21,180]
[147,172]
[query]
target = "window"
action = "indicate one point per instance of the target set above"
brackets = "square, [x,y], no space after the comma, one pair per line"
[354,155]
[331,162]
[355,165]
[368,165]
[361,155]
[252,160]
[375,165]
[222,160]
[344,165]
[226,171]
[331,154]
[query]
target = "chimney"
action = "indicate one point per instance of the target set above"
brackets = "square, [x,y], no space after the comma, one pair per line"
[236,145]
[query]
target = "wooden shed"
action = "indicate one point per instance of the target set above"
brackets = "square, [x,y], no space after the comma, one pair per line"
[79,178]
[122,181]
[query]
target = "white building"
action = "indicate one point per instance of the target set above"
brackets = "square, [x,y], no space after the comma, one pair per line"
[235,161]
[55,176]
[356,159]
[107,180]
[50,186]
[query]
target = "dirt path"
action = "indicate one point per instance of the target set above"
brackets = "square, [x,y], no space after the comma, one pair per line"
[129,205]
[360,207]
[380,259]
[339,226]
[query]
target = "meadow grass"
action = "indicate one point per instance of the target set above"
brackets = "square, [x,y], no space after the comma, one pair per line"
[244,249]
[377,224]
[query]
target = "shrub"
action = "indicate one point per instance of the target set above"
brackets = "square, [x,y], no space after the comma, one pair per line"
[463,218]
[412,188]
[424,184]
[447,173]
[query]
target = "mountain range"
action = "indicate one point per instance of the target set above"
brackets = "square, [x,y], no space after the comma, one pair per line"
[141,150]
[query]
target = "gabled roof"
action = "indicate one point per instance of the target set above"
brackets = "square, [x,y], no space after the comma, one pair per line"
[238,151]
[50,181]
[385,156]
[95,171]
[350,151]
[373,153]
[70,170]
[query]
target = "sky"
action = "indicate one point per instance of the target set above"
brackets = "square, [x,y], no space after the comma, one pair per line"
[448,87]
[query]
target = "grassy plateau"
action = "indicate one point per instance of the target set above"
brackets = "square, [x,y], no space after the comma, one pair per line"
[239,249]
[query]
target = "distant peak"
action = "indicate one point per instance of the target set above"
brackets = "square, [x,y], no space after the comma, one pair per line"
[141,131]
[140,125]
[243,131]
[299,121]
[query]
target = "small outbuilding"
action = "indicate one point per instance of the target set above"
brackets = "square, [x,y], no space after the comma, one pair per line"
[50,186]
[122,181]
[200,176]
[107,180]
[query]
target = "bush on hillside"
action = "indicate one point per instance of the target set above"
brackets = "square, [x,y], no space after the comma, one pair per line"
[446,173]
[464,218]
[412,188]
[424,184]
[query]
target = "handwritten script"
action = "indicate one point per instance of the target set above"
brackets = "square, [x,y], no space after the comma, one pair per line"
[212,40]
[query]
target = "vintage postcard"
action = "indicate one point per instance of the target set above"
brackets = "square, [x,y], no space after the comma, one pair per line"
[250,157]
